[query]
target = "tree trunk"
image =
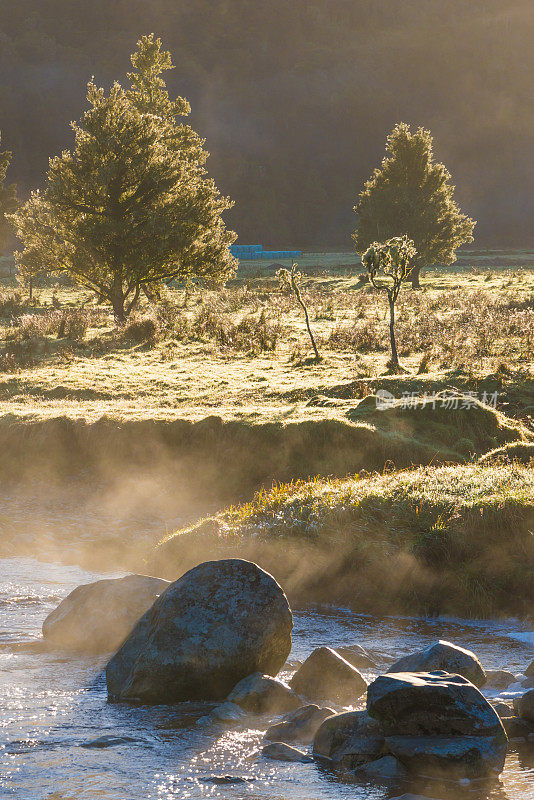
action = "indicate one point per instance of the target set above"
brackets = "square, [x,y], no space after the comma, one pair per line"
[415,273]
[117,302]
[394,354]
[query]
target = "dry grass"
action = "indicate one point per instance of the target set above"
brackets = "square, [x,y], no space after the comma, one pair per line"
[243,352]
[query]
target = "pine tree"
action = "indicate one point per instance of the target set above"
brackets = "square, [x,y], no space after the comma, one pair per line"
[127,208]
[149,95]
[8,198]
[411,195]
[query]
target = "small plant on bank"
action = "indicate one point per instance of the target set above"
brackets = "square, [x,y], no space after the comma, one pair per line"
[290,280]
[389,265]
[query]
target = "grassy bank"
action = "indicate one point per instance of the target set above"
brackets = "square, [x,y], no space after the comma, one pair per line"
[454,540]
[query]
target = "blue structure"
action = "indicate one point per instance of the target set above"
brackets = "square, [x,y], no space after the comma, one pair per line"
[255,252]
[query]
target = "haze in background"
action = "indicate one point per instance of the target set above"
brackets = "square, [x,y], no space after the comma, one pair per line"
[296,98]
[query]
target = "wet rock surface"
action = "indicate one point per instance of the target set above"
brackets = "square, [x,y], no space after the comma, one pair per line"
[499,678]
[358,656]
[97,617]
[219,623]
[438,724]
[327,678]
[525,706]
[262,694]
[279,751]
[349,739]
[444,656]
[299,726]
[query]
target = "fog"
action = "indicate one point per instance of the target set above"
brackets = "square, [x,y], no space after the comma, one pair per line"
[296,99]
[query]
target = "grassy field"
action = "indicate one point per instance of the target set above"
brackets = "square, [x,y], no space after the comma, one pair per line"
[243,353]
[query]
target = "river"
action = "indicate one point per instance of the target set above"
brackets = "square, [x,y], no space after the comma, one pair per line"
[52,704]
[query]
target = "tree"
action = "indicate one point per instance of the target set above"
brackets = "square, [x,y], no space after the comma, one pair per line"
[127,208]
[290,280]
[8,198]
[411,195]
[148,93]
[389,265]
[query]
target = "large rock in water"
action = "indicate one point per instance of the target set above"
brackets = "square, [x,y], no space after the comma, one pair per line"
[262,694]
[326,677]
[438,724]
[217,624]
[349,740]
[97,617]
[444,656]
[299,726]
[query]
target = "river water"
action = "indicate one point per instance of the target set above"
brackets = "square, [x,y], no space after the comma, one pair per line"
[52,704]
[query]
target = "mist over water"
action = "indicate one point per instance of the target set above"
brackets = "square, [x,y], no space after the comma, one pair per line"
[53,703]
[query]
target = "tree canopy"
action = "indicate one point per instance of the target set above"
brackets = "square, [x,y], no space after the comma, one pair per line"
[8,197]
[131,204]
[411,194]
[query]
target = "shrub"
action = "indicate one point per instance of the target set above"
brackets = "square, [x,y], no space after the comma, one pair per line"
[11,302]
[140,329]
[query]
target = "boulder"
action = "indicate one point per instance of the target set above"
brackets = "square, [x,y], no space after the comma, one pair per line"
[219,623]
[97,617]
[358,656]
[449,756]
[529,672]
[279,751]
[386,768]
[438,724]
[227,713]
[527,683]
[431,703]
[443,656]
[326,677]
[525,706]
[262,694]
[503,709]
[499,678]
[299,726]
[517,728]
[349,740]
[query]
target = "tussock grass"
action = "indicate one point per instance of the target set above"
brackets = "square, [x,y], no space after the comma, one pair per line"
[453,539]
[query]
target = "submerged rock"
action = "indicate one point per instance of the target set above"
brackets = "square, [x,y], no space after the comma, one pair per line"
[279,751]
[358,656]
[525,705]
[97,617]
[438,724]
[107,741]
[349,740]
[219,623]
[503,709]
[227,712]
[517,727]
[386,768]
[326,677]
[499,678]
[262,694]
[299,726]
[443,656]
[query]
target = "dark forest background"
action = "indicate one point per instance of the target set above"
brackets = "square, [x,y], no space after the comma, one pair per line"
[296,97]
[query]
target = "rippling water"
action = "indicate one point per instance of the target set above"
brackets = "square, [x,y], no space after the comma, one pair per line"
[52,704]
